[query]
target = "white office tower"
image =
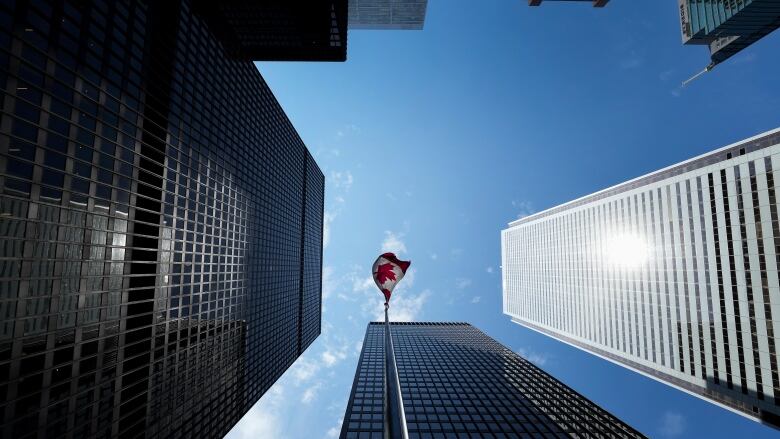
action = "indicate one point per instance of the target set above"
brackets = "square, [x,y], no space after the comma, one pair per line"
[673,275]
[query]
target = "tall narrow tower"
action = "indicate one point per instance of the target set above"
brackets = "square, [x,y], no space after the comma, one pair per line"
[673,275]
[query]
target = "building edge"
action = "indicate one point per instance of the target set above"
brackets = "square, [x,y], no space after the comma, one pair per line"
[668,380]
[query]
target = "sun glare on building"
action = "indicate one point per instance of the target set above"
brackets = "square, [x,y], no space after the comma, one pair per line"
[626,250]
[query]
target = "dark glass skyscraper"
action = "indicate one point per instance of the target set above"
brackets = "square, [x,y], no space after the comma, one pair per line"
[457,382]
[160,222]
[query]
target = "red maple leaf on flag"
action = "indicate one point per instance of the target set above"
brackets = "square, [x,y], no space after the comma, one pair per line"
[384,272]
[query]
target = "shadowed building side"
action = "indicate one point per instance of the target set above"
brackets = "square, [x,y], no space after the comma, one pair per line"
[160,220]
[279,30]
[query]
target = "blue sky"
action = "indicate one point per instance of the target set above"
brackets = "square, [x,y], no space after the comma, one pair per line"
[432,141]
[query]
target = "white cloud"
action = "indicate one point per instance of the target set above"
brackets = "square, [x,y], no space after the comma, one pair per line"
[489,270]
[393,243]
[337,406]
[326,152]
[362,284]
[328,284]
[334,431]
[304,369]
[523,208]
[332,210]
[332,356]
[326,221]
[539,359]
[329,358]
[631,61]
[407,282]
[476,299]
[310,393]
[666,75]
[462,283]
[434,256]
[263,419]
[358,346]
[347,130]
[672,424]
[405,307]
[341,179]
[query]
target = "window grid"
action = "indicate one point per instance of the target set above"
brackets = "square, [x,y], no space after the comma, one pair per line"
[458,382]
[157,265]
[707,290]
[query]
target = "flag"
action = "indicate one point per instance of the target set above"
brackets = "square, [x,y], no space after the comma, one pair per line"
[388,271]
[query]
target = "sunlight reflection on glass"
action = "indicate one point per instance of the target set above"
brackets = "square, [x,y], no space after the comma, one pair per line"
[627,250]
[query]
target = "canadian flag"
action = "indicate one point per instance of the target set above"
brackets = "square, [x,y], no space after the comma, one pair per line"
[388,270]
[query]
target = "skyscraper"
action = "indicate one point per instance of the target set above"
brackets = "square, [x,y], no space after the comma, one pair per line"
[727,27]
[673,274]
[455,381]
[387,14]
[278,30]
[596,3]
[160,220]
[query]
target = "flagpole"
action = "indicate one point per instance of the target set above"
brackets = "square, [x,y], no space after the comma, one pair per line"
[395,418]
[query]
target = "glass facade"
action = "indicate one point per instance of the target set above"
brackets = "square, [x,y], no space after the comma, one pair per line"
[674,274]
[596,3]
[160,225]
[387,14]
[279,30]
[457,382]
